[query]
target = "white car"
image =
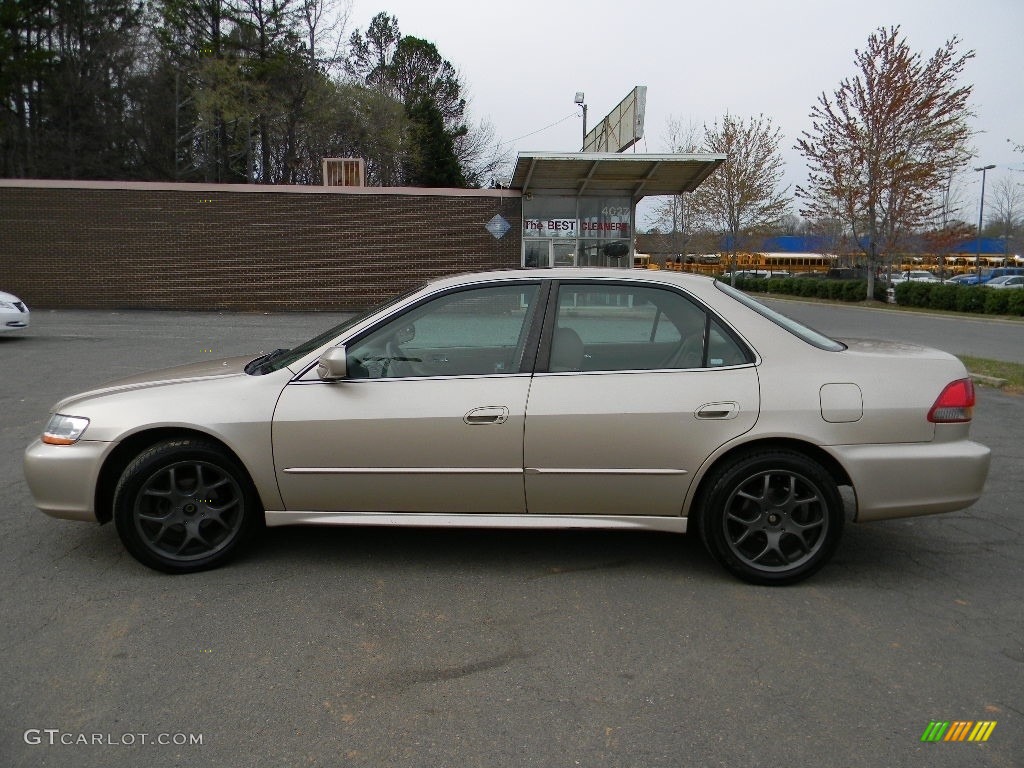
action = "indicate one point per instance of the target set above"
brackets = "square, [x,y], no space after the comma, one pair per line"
[1006,281]
[916,275]
[13,313]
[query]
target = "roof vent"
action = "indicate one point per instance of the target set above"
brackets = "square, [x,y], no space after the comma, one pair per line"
[344,172]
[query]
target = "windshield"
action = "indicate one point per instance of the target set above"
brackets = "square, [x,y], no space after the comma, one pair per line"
[811,336]
[282,358]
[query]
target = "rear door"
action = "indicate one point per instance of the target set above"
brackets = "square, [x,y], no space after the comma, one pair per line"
[635,387]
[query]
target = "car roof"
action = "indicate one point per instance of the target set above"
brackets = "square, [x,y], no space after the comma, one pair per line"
[684,279]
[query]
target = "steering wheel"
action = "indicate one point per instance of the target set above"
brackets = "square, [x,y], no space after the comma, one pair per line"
[396,365]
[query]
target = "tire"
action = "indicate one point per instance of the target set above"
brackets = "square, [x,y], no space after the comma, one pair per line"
[773,517]
[184,506]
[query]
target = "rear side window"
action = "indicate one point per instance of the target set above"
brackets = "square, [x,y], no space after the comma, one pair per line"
[811,336]
[623,327]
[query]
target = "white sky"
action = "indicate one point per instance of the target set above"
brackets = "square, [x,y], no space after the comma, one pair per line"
[524,61]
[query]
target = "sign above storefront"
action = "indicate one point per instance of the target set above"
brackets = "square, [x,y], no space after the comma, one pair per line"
[550,228]
[597,228]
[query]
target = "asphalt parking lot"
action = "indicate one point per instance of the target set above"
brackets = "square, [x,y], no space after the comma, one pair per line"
[364,647]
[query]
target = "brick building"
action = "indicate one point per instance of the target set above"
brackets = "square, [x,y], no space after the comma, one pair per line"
[141,245]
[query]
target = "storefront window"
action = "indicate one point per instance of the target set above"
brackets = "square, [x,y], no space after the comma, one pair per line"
[577,231]
[606,231]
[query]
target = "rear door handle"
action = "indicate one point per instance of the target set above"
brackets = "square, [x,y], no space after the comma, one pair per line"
[728,410]
[488,414]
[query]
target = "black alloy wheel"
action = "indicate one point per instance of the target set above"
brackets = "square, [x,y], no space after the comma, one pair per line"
[184,506]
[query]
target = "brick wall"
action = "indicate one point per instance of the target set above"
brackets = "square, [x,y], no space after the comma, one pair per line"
[105,245]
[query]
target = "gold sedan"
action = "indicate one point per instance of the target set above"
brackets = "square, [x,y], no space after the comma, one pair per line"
[528,399]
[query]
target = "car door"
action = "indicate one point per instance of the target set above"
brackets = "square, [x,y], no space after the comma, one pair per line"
[430,418]
[635,387]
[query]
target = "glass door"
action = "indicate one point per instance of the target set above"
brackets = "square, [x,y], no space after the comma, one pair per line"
[549,253]
[536,253]
[563,253]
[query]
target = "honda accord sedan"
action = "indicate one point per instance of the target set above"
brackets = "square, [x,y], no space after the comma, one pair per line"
[579,398]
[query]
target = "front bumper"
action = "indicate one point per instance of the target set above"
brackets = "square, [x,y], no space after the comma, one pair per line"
[909,479]
[11,320]
[62,478]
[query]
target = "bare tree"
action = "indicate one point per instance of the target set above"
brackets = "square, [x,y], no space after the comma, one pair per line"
[323,24]
[483,160]
[886,141]
[1007,211]
[743,196]
[947,227]
[677,215]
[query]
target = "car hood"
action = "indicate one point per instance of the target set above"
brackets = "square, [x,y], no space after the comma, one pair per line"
[8,297]
[207,369]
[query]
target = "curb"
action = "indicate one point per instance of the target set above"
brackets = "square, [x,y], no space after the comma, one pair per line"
[990,381]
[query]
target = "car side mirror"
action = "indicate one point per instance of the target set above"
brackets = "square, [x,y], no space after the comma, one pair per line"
[333,364]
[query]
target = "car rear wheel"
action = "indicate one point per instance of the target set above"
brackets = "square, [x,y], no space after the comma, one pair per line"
[184,506]
[772,517]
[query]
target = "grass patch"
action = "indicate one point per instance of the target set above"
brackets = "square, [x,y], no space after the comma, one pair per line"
[1012,372]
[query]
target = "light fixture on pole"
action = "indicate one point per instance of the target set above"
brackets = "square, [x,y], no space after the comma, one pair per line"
[579,100]
[981,213]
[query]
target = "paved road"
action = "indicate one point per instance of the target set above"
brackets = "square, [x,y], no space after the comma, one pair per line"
[959,335]
[333,647]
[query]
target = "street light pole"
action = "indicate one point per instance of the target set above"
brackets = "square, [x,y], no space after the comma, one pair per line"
[981,214]
[579,100]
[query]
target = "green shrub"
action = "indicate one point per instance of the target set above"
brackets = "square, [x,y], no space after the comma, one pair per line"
[807,288]
[904,294]
[971,298]
[855,290]
[944,296]
[920,293]
[997,301]
[1015,302]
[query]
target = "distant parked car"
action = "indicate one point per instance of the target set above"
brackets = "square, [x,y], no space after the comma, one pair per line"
[1006,281]
[846,273]
[13,313]
[991,274]
[761,273]
[916,275]
[971,279]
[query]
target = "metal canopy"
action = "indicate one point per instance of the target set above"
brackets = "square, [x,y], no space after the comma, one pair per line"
[611,174]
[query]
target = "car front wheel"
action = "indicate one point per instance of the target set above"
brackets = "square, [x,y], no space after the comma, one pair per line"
[772,517]
[184,506]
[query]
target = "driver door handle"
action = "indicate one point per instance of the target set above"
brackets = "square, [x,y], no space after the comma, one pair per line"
[488,414]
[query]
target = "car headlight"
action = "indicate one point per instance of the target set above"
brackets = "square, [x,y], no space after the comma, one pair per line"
[64,430]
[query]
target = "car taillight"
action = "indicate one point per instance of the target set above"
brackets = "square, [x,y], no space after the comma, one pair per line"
[955,404]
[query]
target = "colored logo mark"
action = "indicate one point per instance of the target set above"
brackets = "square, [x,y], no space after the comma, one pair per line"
[958,730]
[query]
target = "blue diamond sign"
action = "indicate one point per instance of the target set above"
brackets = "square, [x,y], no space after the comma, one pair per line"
[498,226]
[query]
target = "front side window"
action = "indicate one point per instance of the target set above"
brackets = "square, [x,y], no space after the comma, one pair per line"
[474,332]
[624,327]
